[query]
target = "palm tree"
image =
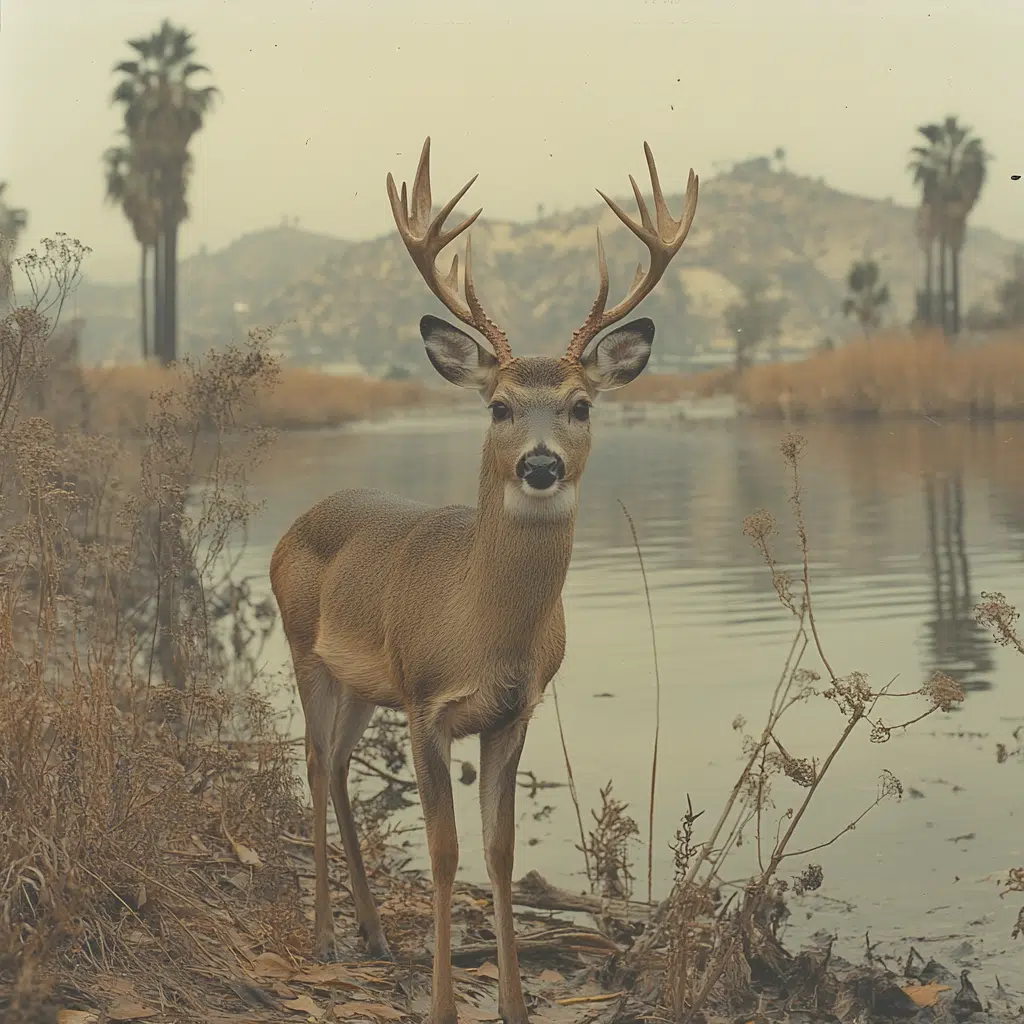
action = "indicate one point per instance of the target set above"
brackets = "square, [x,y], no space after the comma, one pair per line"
[868,296]
[13,222]
[128,186]
[163,110]
[926,230]
[950,170]
[923,165]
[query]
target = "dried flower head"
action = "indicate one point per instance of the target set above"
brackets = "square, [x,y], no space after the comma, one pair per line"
[851,693]
[808,880]
[880,732]
[792,447]
[759,525]
[943,691]
[889,785]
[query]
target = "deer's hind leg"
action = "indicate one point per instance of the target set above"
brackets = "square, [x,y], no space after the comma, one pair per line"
[318,691]
[335,722]
[351,719]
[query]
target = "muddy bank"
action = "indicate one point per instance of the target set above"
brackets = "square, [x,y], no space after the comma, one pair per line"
[577,962]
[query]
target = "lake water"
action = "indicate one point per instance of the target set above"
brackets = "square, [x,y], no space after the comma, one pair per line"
[907,524]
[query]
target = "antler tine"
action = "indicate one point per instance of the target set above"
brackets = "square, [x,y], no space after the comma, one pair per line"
[425,238]
[663,242]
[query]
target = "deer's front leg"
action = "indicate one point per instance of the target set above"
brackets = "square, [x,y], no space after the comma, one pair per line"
[499,762]
[431,755]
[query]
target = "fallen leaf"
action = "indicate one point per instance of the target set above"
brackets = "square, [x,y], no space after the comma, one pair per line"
[378,1011]
[327,974]
[487,970]
[469,1012]
[550,976]
[129,1009]
[303,1004]
[926,995]
[240,880]
[270,965]
[77,1017]
[247,856]
[252,995]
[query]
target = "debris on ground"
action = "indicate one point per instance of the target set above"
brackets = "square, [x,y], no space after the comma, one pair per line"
[573,973]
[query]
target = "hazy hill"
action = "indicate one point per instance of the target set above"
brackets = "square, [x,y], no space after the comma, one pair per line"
[538,279]
[252,267]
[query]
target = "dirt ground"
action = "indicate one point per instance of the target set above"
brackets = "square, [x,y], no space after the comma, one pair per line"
[573,973]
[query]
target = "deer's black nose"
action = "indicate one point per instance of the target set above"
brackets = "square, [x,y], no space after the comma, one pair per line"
[540,469]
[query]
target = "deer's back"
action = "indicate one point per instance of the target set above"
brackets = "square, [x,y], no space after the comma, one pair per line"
[351,566]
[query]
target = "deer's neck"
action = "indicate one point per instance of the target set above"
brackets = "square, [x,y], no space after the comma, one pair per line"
[518,564]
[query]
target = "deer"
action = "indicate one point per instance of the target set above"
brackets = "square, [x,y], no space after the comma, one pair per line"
[454,615]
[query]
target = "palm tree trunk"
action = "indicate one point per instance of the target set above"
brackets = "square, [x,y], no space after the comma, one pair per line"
[955,256]
[943,304]
[929,291]
[158,298]
[171,293]
[143,301]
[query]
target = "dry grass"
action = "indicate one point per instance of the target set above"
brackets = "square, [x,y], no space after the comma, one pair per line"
[896,374]
[151,826]
[144,789]
[154,852]
[704,947]
[120,398]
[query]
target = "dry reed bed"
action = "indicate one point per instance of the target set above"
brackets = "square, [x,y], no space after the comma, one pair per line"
[894,375]
[898,374]
[120,398]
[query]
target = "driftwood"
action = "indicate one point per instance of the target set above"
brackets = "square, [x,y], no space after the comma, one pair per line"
[545,941]
[535,891]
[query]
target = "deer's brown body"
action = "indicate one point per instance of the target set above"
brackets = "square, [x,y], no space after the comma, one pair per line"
[454,615]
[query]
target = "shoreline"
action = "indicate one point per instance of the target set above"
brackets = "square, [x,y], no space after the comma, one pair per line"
[572,972]
[894,377]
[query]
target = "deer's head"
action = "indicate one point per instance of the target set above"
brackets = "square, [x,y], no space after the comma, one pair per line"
[539,437]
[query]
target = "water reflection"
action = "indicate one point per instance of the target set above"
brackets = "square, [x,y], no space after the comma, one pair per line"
[957,644]
[907,525]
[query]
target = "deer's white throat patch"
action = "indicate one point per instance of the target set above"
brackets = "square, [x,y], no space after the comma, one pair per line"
[525,502]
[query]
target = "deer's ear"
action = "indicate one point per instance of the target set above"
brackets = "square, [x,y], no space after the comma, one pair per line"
[457,356]
[620,357]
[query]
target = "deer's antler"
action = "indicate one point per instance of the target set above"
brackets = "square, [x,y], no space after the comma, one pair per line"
[425,238]
[663,242]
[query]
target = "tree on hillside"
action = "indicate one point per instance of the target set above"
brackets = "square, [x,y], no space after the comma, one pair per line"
[163,110]
[1009,304]
[950,169]
[868,296]
[129,187]
[752,319]
[13,222]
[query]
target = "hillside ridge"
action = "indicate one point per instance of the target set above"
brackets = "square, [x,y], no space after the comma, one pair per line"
[335,300]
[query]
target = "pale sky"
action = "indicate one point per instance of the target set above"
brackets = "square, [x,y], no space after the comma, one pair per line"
[546,99]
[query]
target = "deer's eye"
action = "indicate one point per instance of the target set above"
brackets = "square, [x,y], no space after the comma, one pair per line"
[581,411]
[500,412]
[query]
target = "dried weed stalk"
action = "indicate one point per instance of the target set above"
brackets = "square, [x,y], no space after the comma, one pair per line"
[998,615]
[145,789]
[705,943]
